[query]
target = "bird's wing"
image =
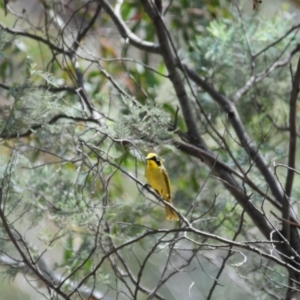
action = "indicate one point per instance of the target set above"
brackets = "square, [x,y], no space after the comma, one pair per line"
[167,181]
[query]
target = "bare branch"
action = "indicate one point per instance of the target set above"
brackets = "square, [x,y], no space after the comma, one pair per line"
[126,33]
[37,38]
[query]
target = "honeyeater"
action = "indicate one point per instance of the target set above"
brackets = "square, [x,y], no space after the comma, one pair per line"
[158,179]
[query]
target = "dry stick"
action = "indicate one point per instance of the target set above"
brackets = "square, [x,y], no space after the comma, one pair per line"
[227,257]
[142,268]
[35,37]
[126,33]
[53,120]
[286,221]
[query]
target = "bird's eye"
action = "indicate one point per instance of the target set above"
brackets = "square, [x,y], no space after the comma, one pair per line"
[157,160]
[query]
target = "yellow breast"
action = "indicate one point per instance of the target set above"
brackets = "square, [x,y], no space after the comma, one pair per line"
[157,177]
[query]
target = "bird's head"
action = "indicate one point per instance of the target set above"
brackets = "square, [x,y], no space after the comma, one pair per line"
[153,157]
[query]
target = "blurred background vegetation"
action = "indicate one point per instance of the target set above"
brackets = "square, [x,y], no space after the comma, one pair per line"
[80,108]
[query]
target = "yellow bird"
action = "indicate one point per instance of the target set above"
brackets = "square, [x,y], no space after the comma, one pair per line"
[158,178]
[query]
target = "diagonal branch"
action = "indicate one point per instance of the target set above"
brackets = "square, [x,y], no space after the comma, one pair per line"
[126,33]
[53,120]
[238,126]
[84,32]
[233,187]
[225,259]
[35,37]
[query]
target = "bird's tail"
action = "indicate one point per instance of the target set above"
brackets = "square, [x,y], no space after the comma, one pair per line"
[171,214]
